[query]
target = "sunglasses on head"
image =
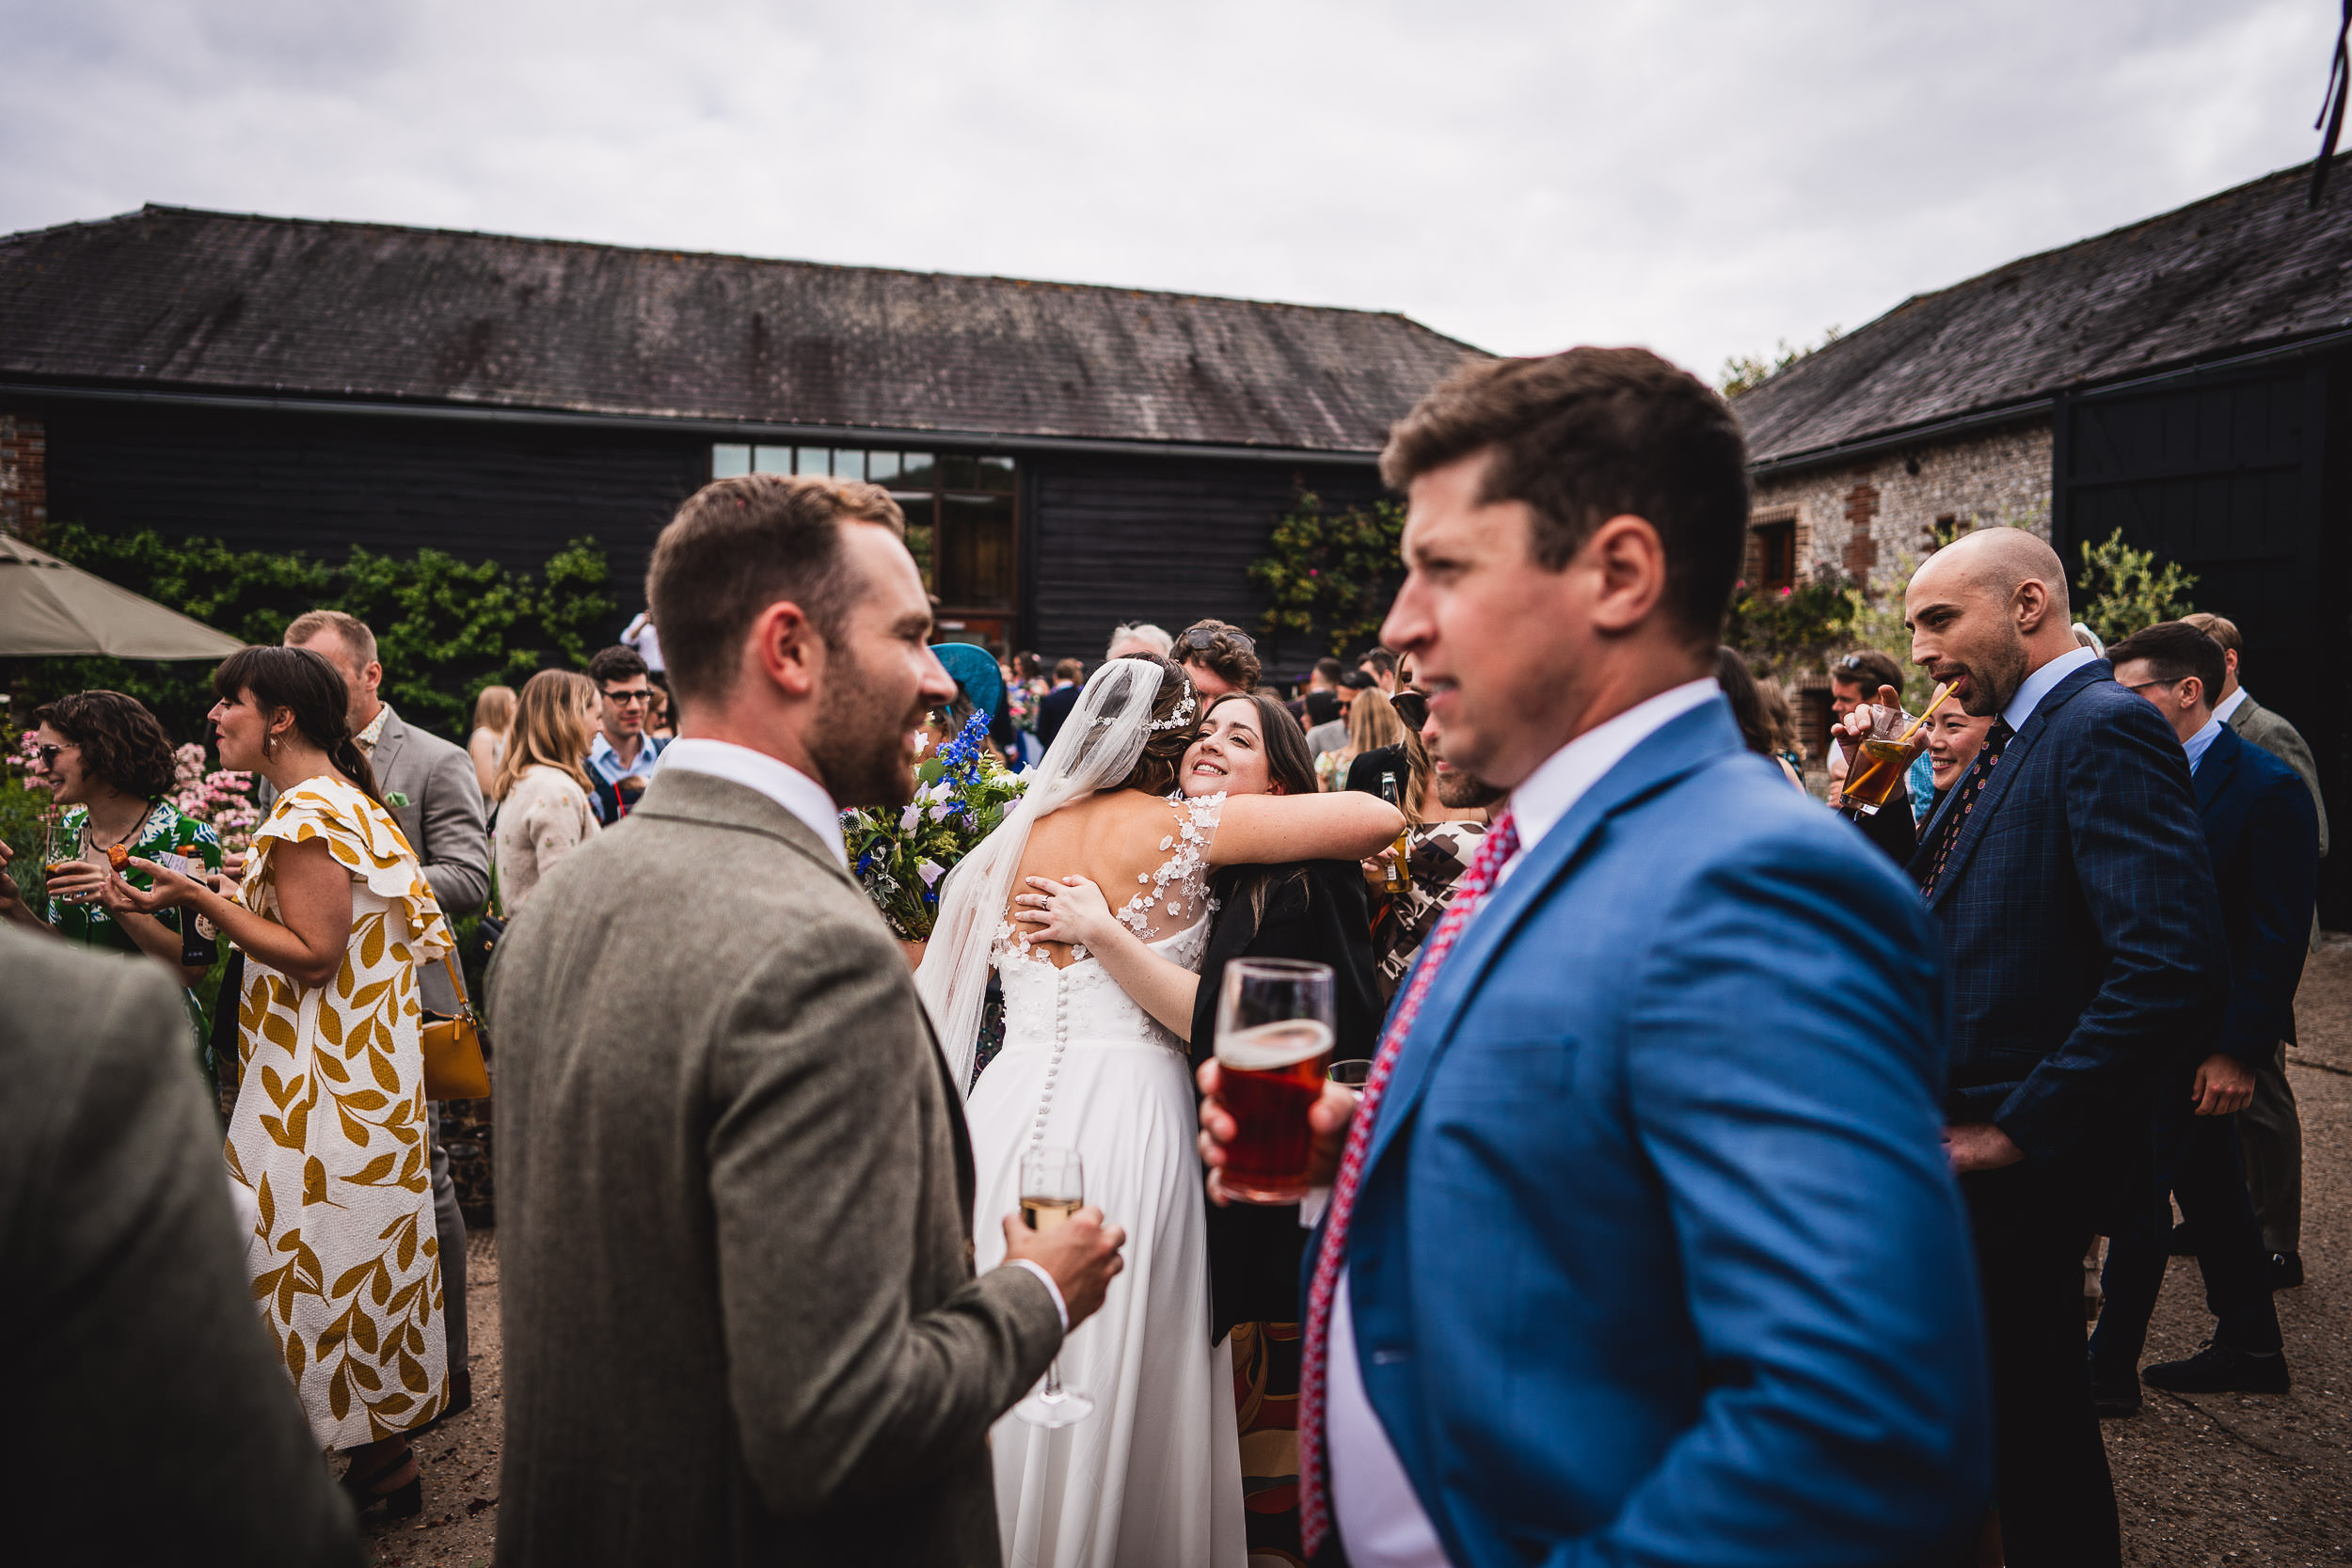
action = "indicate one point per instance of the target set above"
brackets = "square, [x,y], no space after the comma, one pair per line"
[1201,640]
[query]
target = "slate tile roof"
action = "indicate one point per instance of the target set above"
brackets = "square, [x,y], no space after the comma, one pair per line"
[2249,267]
[174,298]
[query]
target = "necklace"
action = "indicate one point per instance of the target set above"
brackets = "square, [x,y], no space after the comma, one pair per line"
[90,819]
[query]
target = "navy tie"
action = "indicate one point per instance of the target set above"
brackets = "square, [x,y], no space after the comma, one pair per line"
[1964,801]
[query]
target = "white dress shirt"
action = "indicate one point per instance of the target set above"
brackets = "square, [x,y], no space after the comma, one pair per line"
[2038,686]
[805,799]
[1380,1521]
[2199,744]
[782,783]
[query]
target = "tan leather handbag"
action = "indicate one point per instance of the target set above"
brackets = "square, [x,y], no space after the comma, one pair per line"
[454,1068]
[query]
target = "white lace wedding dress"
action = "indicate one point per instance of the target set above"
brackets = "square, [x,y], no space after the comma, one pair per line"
[1154,1476]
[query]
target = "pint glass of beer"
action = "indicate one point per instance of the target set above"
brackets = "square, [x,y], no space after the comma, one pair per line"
[1877,762]
[1273,1042]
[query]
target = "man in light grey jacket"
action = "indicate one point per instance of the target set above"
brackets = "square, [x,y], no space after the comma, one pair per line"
[434,796]
[734,1188]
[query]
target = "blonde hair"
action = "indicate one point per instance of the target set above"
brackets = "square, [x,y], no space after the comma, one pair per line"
[350,629]
[550,729]
[1372,721]
[495,709]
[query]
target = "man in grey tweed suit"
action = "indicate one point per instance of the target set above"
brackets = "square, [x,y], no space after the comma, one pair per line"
[735,1194]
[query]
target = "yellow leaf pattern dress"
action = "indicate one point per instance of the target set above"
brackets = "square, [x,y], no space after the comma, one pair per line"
[330,1134]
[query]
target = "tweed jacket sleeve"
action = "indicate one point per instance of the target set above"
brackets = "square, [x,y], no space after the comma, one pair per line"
[820,1083]
[127,1283]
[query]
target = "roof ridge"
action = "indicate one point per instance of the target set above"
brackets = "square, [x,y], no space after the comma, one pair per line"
[682,252]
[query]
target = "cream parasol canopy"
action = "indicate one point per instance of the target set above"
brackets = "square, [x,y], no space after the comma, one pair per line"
[48,609]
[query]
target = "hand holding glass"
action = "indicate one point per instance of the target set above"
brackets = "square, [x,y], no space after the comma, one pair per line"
[1053,1188]
[1274,1032]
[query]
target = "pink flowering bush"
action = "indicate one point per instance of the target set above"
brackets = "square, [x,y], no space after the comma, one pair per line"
[222,799]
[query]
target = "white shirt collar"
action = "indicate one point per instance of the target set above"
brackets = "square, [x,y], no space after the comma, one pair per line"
[2038,686]
[2198,744]
[782,783]
[1545,796]
[2230,704]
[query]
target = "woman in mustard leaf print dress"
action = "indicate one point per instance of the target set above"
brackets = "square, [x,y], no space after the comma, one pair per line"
[328,1135]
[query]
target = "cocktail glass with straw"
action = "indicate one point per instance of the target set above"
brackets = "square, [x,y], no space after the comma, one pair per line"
[1883,756]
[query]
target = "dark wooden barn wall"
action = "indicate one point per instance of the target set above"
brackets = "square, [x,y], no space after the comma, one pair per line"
[1162,540]
[2243,481]
[324,483]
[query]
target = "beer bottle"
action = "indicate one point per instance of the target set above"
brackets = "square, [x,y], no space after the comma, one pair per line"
[1400,876]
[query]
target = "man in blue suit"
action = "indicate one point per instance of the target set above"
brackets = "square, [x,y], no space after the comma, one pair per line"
[1641,1246]
[2263,837]
[2069,874]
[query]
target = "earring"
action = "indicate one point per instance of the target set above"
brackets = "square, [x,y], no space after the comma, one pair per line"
[269,745]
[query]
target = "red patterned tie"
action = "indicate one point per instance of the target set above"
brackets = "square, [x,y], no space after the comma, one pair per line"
[1314,1497]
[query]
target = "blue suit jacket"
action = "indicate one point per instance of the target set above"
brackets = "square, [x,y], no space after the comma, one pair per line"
[1656,1258]
[2080,927]
[2263,837]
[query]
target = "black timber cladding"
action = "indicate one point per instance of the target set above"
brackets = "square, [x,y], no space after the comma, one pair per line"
[2248,266]
[170,298]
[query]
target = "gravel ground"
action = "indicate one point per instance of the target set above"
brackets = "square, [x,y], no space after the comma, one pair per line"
[2214,1480]
[459,1459]
[2263,1479]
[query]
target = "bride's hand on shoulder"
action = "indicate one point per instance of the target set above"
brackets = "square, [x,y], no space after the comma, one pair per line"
[1072,909]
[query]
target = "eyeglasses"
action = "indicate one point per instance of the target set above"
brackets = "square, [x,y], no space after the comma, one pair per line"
[628,699]
[1200,640]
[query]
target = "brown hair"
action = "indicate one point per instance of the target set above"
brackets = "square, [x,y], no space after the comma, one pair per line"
[2219,628]
[1223,648]
[1747,706]
[741,545]
[549,730]
[350,628]
[2173,651]
[122,742]
[1591,435]
[307,685]
[1161,765]
[1868,669]
[1780,720]
[494,709]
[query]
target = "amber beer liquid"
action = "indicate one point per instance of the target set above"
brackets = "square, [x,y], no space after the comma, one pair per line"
[1399,876]
[1272,1074]
[1877,769]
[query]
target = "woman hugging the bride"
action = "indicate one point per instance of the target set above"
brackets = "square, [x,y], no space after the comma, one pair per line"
[1153,1476]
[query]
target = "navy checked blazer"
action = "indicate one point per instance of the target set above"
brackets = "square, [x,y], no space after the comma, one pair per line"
[2081,925]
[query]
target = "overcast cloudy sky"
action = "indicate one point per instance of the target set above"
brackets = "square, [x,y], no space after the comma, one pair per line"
[1702,177]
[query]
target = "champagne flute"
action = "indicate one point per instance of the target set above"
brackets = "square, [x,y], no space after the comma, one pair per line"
[1052,1186]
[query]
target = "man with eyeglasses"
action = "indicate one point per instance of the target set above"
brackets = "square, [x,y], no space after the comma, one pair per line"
[622,756]
[1218,658]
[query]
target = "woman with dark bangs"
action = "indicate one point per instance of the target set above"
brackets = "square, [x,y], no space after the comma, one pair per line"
[328,1138]
[110,764]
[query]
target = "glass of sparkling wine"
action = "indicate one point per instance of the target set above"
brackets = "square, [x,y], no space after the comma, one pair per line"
[1052,1186]
[1274,1035]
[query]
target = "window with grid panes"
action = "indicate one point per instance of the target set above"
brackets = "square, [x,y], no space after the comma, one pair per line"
[959,509]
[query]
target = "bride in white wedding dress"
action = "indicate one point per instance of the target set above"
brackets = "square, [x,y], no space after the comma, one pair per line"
[1153,1477]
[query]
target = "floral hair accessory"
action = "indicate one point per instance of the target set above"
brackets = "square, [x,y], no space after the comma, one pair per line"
[1183,715]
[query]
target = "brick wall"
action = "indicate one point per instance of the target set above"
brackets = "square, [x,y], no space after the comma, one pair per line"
[24,477]
[1865,518]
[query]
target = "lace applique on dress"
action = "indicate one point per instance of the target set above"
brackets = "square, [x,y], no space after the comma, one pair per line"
[1179,890]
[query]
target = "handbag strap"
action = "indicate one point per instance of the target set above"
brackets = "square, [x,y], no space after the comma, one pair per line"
[458,984]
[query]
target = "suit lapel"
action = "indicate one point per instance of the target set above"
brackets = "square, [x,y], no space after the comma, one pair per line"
[2006,772]
[387,744]
[1688,742]
[2213,773]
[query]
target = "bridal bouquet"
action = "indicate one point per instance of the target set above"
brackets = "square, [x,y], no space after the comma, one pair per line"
[899,856]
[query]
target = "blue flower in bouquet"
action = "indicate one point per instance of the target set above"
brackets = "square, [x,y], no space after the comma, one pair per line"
[902,856]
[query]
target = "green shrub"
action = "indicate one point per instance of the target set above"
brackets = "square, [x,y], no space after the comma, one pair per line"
[445,628]
[1332,573]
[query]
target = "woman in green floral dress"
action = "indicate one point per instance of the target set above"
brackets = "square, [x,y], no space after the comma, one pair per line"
[110,769]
